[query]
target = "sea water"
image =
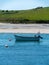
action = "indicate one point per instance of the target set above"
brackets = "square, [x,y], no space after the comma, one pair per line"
[23,53]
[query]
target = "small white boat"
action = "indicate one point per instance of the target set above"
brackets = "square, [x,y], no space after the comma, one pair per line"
[6,45]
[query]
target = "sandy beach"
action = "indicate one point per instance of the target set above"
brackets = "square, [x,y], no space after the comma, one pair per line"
[24,28]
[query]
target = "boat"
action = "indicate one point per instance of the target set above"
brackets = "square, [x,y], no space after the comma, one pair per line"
[6,46]
[28,38]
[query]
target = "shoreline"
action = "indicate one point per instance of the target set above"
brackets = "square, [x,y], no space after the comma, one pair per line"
[24,28]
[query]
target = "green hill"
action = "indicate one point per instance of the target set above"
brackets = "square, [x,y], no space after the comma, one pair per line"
[37,15]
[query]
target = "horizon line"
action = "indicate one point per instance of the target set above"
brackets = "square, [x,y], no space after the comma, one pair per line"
[24,9]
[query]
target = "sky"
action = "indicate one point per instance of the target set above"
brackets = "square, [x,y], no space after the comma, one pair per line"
[22,4]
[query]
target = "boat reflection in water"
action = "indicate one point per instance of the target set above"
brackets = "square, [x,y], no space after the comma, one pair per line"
[28,38]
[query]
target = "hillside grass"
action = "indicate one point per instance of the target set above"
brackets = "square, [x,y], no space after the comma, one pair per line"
[32,14]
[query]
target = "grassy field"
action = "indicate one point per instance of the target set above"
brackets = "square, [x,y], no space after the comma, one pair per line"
[16,16]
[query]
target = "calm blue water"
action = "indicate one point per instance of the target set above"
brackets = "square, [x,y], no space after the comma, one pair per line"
[23,53]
